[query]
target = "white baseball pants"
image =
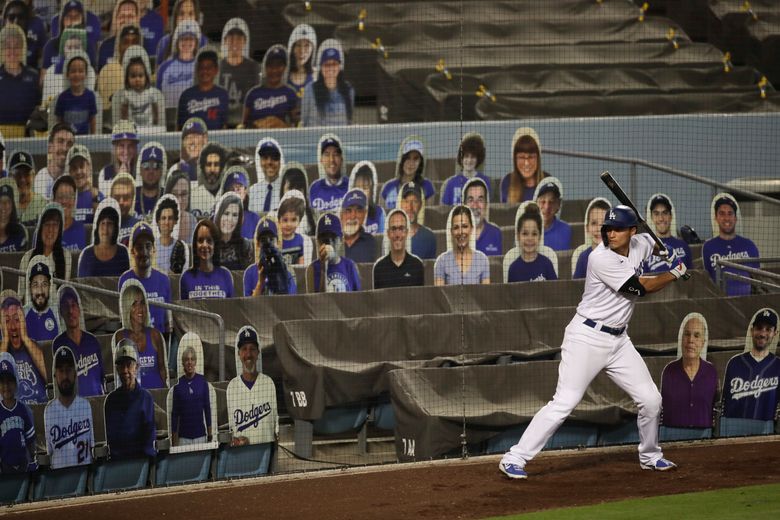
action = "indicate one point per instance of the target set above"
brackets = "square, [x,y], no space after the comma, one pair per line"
[584,352]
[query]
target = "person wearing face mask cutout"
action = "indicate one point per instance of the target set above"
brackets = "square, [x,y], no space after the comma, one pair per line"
[331,272]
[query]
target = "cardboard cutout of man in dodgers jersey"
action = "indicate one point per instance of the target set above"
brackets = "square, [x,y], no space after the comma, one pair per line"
[68,417]
[185,401]
[251,396]
[751,387]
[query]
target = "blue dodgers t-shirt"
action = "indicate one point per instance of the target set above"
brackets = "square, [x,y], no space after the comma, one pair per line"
[89,362]
[264,102]
[211,106]
[41,326]
[152,29]
[738,247]
[528,191]
[341,277]
[31,387]
[158,289]
[453,188]
[656,264]
[390,191]
[174,76]
[75,237]
[85,212]
[199,285]
[13,243]
[76,110]
[249,225]
[540,269]
[489,241]
[582,264]
[326,197]
[424,243]
[375,224]
[558,237]
[292,250]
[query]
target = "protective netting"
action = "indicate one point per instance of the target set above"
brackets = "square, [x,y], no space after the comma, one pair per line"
[270,236]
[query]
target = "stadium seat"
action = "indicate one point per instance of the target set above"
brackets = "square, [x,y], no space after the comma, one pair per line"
[244,461]
[567,436]
[625,433]
[13,488]
[340,419]
[383,416]
[732,427]
[120,475]
[183,468]
[669,433]
[61,483]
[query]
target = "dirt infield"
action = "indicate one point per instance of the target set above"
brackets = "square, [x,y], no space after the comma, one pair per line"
[459,489]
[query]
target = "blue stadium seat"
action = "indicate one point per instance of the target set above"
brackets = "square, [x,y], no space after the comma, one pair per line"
[340,419]
[625,433]
[384,416]
[567,436]
[732,427]
[244,461]
[61,483]
[183,468]
[13,488]
[669,433]
[118,475]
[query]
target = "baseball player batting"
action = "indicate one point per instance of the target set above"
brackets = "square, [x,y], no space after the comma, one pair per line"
[596,339]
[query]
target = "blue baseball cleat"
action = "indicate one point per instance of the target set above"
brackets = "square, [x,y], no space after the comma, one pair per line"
[659,465]
[512,471]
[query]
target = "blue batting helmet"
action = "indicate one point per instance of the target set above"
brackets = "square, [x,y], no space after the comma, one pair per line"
[619,217]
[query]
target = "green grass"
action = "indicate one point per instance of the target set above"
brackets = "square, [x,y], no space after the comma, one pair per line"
[752,502]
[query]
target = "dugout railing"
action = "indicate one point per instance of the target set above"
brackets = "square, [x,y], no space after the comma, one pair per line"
[721,275]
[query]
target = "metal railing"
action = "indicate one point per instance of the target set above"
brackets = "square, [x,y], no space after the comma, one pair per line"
[168,306]
[721,275]
[633,163]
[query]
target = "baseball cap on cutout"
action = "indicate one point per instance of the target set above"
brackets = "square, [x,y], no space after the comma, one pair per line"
[21,158]
[413,145]
[412,187]
[152,153]
[767,316]
[64,356]
[331,54]
[329,223]
[142,228]
[661,199]
[725,200]
[248,335]
[126,350]
[549,187]
[354,197]
[194,125]
[40,268]
[330,142]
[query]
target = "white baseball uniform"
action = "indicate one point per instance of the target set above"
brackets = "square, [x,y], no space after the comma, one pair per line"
[69,433]
[252,412]
[588,347]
